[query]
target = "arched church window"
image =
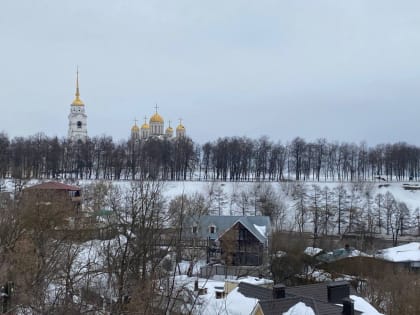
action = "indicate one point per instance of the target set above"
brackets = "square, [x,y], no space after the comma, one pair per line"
[79,124]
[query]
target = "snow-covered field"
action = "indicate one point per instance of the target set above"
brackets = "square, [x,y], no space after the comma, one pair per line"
[172,189]
[239,198]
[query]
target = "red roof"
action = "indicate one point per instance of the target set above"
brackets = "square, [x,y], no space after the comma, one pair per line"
[54,186]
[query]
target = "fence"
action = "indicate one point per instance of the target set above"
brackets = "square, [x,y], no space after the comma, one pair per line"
[235,271]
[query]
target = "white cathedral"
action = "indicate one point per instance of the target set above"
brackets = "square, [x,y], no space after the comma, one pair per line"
[78,123]
[155,128]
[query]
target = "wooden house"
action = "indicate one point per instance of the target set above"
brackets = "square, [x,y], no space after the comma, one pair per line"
[237,240]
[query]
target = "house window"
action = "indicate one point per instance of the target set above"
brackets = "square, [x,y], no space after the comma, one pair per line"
[212,229]
[242,234]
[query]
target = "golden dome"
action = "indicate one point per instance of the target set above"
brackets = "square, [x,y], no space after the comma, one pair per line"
[180,127]
[169,129]
[77,101]
[145,125]
[156,118]
[135,128]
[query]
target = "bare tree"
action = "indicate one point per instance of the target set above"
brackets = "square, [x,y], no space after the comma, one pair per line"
[133,258]
[389,205]
[300,206]
[340,193]
[400,214]
[315,211]
[379,209]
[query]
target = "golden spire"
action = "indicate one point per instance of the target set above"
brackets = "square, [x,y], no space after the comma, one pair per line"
[77,101]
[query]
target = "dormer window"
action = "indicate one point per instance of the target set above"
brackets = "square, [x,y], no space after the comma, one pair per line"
[212,229]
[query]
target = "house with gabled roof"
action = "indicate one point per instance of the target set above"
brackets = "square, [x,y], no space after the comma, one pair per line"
[327,298]
[65,197]
[238,240]
[54,186]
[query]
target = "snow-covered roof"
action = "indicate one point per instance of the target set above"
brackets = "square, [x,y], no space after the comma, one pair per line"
[239,302]
[340,253]
[300,309]
[259,231]
[207,304]
[54,186]
[262,229]
[252,280]
[361,305]
[259,226]
[314,296]
[312,251]
[405,253]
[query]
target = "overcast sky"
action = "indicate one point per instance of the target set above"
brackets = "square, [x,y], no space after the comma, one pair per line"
[341,70]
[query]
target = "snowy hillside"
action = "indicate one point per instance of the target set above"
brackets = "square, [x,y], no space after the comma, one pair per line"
[296,205]
[172,189]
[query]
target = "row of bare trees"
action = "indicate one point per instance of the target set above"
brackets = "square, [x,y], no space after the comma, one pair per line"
[351,208]
[322,210]
[39,156]
[246,159]
[233,159]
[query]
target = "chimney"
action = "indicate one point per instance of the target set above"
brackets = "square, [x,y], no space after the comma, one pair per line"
[347,248]
[279,291]
[348,306]
[337,291]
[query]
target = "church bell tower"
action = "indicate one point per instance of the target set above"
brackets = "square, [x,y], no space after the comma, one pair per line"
[77,117]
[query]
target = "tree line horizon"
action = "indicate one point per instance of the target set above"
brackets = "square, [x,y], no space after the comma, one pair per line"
[224,159]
